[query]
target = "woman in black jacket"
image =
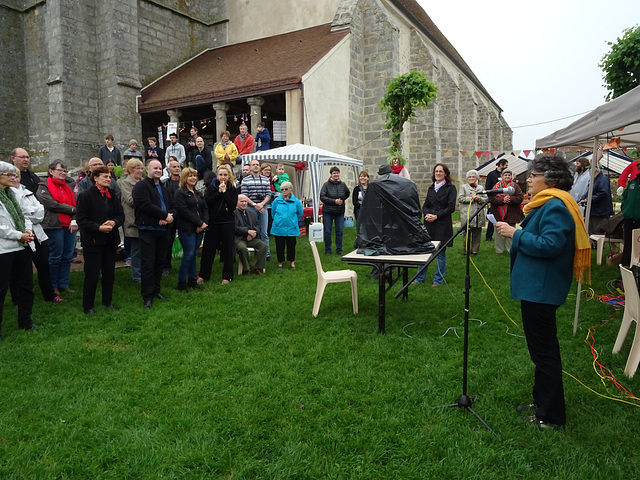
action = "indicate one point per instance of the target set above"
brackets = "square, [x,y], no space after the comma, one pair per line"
[437,209]
[221,197]
[99,215]
[192,216]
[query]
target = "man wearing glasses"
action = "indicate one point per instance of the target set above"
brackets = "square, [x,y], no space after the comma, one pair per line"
[21,160]
[86,183]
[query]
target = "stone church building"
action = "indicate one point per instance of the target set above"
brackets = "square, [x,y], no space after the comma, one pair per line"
[74,70]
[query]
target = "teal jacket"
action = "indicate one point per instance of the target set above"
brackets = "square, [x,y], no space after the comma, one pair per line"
[542,255]
[286,215]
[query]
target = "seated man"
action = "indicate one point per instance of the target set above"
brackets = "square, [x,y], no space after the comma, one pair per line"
[247,235]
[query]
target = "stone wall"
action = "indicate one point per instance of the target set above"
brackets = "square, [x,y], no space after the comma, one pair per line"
[74,68]
[14,125]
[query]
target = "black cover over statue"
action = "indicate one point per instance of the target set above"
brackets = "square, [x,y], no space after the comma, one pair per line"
[389,220]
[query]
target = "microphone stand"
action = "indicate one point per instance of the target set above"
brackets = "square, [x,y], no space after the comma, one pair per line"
[465,400]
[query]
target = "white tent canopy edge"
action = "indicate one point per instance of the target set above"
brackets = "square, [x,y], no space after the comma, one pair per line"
[314,158]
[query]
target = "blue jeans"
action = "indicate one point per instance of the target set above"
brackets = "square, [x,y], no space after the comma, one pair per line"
[327,220]
[62,244]
[263,221]
[438,278]
[190,243]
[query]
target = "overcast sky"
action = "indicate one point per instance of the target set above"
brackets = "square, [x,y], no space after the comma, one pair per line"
[538,60]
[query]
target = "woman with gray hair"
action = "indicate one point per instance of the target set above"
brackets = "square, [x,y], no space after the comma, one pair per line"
[15,254]
[470,203]
[287,213]
[551,246]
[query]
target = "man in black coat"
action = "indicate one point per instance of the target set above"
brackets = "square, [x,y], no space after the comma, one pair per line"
[154,212]
[492,179]
[333,195]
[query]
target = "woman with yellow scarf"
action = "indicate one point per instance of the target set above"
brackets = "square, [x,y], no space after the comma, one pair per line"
[551,246]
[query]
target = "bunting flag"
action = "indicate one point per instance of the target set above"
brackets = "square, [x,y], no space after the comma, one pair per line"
[479,154]
[527,153]
[614,143]
[463,152]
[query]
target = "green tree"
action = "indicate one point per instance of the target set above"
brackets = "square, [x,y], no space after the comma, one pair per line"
[405,94]
[621,66]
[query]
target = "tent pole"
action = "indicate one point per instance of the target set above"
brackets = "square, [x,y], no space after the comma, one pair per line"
[592,173]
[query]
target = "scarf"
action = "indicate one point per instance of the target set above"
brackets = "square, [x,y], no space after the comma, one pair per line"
[224,144]
[242,137]
[8,199]
[502,209]
[582,254]
[437,186]
[397,169]
[61,193]
[104,192]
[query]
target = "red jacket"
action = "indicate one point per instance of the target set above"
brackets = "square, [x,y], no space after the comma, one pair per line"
[246,147]
[630,171]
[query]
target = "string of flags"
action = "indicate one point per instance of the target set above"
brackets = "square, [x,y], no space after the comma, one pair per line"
[204,122]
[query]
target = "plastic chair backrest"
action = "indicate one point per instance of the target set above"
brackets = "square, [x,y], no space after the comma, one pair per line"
[631,296]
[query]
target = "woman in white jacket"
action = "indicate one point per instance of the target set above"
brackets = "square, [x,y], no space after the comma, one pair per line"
[33,211]
[470,203]
[15,254]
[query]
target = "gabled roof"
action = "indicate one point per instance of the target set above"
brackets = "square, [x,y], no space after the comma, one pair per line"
[240,70]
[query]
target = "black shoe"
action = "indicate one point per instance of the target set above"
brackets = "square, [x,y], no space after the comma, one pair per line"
[111,306]
[541,424]
[89,311]
[268,258]
[193,284]
[338,252]
[182,286]
[31,326]
[147,303]
[525,407]
[160,296]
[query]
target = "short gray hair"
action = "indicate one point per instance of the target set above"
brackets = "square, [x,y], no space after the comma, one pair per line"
[8,167]
[472,172]
[288,185]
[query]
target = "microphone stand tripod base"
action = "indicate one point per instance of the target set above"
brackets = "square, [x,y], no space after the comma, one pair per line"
[465,401]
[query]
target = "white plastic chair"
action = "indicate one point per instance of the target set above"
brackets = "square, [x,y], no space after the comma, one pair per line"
[332,277]
[631,314]
[635,247]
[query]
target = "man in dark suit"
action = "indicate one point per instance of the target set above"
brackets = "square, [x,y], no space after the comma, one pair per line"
[153,210]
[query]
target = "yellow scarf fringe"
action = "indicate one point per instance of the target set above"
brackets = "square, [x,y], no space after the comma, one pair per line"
[582,255]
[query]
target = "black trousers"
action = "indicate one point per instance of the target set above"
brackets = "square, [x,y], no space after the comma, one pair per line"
[218,234]
[153,251]
[628,226]
[40,259]
[290,242]
[96,260]
[15,268]
[539,322]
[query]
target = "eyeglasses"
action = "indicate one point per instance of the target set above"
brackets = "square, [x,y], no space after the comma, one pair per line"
[284,189]
[22,156]
[10,175]
[534,175]
[60,170]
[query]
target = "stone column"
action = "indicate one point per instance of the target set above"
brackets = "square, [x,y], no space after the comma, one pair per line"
[256,112]
[221,117]
[174,115]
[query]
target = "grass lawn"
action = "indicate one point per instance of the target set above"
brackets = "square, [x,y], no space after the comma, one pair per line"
[242,382]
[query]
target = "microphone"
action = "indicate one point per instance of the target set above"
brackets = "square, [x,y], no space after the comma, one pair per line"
[508,191]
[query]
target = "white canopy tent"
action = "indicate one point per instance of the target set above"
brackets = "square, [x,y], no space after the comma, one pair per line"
[314,159]
[619,118]
[517,164]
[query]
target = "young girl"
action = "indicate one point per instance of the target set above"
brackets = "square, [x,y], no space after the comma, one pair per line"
[280,177]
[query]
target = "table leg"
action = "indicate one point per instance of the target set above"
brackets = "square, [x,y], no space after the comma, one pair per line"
[381,297]
[405,280]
